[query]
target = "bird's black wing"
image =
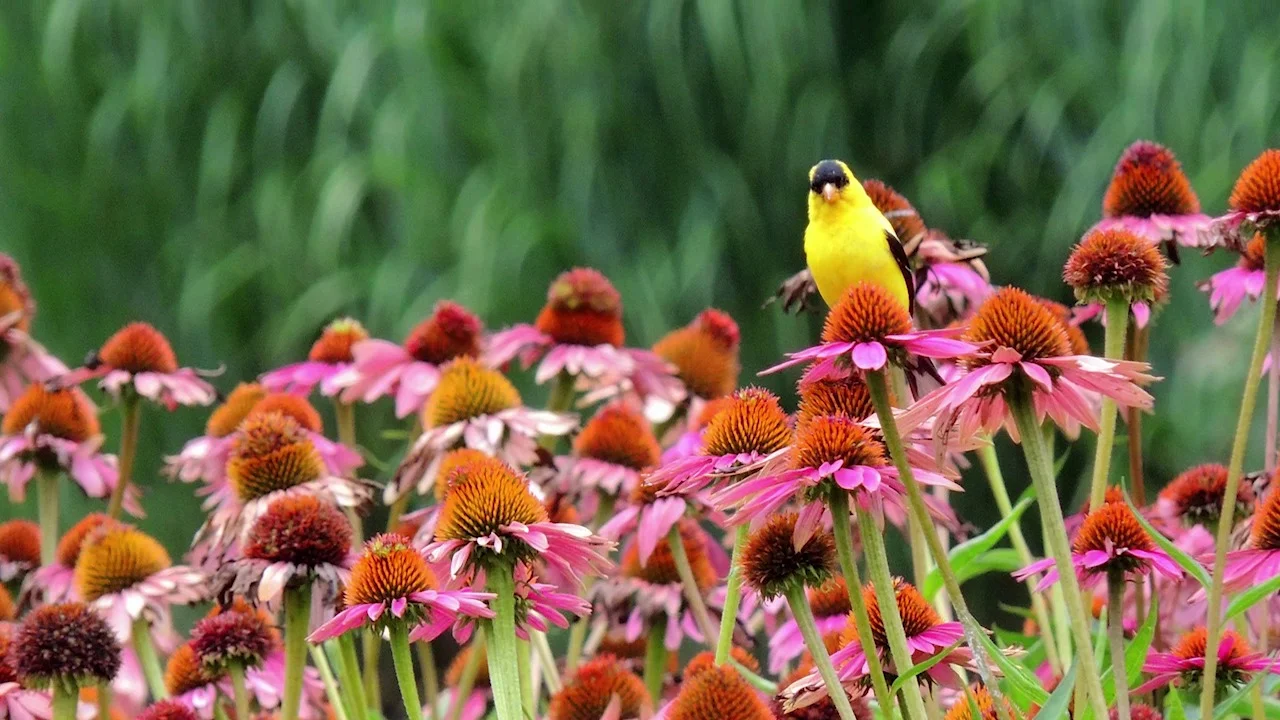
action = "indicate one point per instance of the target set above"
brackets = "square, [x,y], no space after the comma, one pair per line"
[904,265]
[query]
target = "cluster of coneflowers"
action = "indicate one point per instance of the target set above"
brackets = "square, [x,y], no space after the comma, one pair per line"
[660,540]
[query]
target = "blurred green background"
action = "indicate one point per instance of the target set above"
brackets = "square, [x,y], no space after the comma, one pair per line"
[238,173]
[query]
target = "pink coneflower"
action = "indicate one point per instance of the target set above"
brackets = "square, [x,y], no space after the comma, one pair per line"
[205,458]
[1195,497]
[391,581]
[952,280]
[17,702]
[830,604]
[601,688]
[126,575]
[189,683]
[56,430]
[538,607]
[868,330]
[579,334]
[410,371]
[1254,205]
[1150,196]
[490,515]
[55,582]
[1260,561]
[330,355]
[1184,665]
[1110,540]
[138,358]
[1116,265]
[476,407]
[832,454]
[1229,288]
[265,682]
[614,447]
[705,355]
[1028,349]
[62,648]
[22,360]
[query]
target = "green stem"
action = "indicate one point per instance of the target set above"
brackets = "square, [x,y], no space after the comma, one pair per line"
[147,658]
[538,639]
[732,598]
[430,676]
[529,686]
[47,488]
[655,662]
[1115,634]
[991,466]
[104,701]
[65,700]
[920,513]
[578,633]
[1040,465]
[1117,326]
[297,622]
[692,593]
[467,681]
[238,690]
[818,649]
[219,712]
[321,661]
[504,660]
[402,659]
[920,561]
[343,650]
[371,647]
[1226,521]
[560,400]
[345,414]
[861,621]
[132,417]
[886,595]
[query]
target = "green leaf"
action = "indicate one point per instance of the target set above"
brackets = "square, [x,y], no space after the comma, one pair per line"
[1015,610]
[1185,561]
[921,667]
[967,552]
[1251,597]
[1057,704]
[1024,687]
[1173,709]
[1241,696]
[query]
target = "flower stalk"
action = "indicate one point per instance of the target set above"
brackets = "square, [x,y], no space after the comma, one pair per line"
[47,502]
[148,659]
[733,597]
[402,659]
[430,678]
[65,699]
[803,614]
[336,701]
[1117,326]
[1235,468]
[297,620]
[1040,465]
[345,414]
[862,623]
[1137,350]
[504,661]
[1115,635]
[655,663]
[131,419]
[692,594]
[343,648]
[238,690]
[467,681]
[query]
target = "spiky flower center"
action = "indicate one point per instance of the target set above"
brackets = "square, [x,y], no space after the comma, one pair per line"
[704,353]
[773,565]
[68,551]
[753,421]
[1197,494]
[139,347]
[583,308]
[20,542]
[115,558]
[1258,187]
[907,223]
[845,397]
[451,332]
[866,313]
[14,295]
[291,405]
[1266,523]
[829,438]
[1014,319]
[1116,265]
[335,342]
[468,390]
[272,453]
[830,599]
[228,638]
[1148,180]
[962,710]
[1253,257]
[1076,341]
[227,417]
[8,613]
[389,569]
[587,694]
[1110,527]
[64,642]
[621,435]
[918,616]
[485,497]
[65,413]
[185,672]
[1193,646]
[302,530]
[450,463]
[661,568]
[168,710]
[707,660]
[718,693]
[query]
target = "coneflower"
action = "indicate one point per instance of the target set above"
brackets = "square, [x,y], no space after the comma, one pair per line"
[1254,207]
[979,696]
[64,647]
[1149,195]
[704,354]
[205,457]
[20,549]
[55,582]
[45,434]
[331,354]
[187,681]
[168,710]
[1194,496]
[609,455]
[1260,561]
[600,688]
[1229,288]
[135,363]
[1187,666]
[717,693]
[230,643]
[776,563]
[23,361]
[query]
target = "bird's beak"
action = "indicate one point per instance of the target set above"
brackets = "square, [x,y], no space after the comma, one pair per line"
[829,192]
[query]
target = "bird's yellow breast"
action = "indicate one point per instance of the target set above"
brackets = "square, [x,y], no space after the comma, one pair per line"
[847,247]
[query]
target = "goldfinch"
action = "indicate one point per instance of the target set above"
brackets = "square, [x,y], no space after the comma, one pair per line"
[849,241]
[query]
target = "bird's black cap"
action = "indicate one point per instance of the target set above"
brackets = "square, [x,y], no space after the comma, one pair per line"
[828,171]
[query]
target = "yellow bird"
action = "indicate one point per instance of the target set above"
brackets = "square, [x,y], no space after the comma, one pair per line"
[849,241]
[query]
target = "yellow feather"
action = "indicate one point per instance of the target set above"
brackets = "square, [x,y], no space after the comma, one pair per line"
[845,244]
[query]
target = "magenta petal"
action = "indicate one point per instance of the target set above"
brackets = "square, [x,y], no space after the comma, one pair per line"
[869,356]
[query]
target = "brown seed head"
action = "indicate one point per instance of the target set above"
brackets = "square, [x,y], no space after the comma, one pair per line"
[773,566]
[20,542]
[65,413]
[116,557]
[593,686]
[467,390]
[621,435]
[389,569]
[1254,255]
[8,613]
[829,438]
[451,332]
[449,464]
[583,308]
[66,643]
[1258,187]
[1013,319]
[232,638]
[1078,343]
[707,660]
[753,422]
[138,347]
[717,694]
[168,710]
[272,453]
[7,630]
[1116,265]
[1192,646]
[866,313]
[227,417]
[830,598]
[293,406]
[335,342]
[1148,180]
[1197,494]
[1138,711]
[453,675]
[300,529]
